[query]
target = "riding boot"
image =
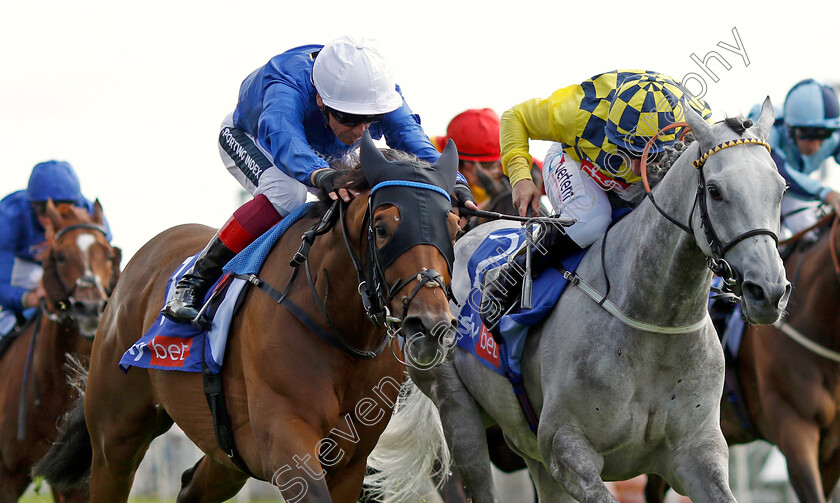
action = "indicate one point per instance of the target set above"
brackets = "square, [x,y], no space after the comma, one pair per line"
[249,222]
[499,295]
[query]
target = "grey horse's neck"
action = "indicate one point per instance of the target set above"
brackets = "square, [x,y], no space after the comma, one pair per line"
[667,281]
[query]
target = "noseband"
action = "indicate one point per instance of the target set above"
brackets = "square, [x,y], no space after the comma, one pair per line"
[65,315]
[375,291]
[716,261]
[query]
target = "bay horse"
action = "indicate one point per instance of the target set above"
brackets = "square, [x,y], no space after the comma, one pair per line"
[628,382]
[789,376]
[80,269]
[304,412]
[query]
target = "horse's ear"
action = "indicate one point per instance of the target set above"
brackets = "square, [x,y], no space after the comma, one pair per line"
[447,165]
[765,121]
[50,221]
[701,128]
[98,214]
[373,162]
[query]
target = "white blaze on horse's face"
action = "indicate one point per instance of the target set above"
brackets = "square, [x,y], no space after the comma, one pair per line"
[743,193]
[84,242]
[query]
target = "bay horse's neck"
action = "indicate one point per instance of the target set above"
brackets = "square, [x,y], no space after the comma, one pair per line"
[816,291]
[53,343]
[331,264]
[663,275]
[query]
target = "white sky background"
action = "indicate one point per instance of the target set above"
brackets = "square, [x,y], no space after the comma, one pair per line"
[132,93]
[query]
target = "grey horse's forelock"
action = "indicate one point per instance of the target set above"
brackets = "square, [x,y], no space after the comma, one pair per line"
[636,192]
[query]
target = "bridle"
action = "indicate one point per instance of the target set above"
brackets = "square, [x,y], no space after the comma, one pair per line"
[66,314]
[716,261]
[375,291]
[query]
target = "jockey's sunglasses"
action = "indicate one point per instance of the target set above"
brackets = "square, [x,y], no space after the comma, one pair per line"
[346,119]
[812,133]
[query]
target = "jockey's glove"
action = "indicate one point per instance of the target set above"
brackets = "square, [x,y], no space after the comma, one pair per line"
[325,179]
[462,193]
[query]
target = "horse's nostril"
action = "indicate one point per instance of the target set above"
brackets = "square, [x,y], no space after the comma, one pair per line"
[755,292]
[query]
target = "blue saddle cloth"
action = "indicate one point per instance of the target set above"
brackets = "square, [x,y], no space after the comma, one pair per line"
[496,249]
[168,345]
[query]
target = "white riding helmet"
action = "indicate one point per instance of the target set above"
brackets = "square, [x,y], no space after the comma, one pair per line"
[351,76]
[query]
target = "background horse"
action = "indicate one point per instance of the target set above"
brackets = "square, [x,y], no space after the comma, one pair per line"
[80,270]
[304,413]
[791,390]
[614,397]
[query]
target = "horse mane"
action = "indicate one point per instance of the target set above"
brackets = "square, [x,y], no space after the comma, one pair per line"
[354,178]
[738,124]
[636,193]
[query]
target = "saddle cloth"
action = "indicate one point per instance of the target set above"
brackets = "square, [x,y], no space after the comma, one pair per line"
[169,345]
[497,248]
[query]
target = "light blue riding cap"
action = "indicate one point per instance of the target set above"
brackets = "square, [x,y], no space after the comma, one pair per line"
[812,104]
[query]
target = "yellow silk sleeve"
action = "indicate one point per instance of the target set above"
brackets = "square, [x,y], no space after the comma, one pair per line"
[551,119]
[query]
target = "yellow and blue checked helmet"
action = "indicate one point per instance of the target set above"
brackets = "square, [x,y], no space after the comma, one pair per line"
[642,106]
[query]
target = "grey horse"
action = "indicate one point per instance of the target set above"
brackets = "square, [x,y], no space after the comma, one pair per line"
[633,391]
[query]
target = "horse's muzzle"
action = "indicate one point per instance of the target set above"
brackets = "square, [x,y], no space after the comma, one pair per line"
[427,340]
[87,313]
[764,304]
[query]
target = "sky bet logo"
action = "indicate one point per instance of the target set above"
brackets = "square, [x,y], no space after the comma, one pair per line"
[164,351]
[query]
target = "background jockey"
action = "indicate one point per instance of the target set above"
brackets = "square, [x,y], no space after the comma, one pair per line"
[22,239]
[600,127]
[297,116]
[476,134]
[803,138]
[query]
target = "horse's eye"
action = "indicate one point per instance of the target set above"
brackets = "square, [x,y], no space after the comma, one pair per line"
[59,257]
[715,193]
[381,231]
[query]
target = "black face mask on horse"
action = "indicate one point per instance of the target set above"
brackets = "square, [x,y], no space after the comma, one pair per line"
[396,183]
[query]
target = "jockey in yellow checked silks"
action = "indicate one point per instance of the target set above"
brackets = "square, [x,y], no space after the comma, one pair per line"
[600,128]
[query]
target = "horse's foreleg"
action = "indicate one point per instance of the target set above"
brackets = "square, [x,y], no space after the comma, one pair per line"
[830,473]
[799,443]
[701,468]
[655,489]
[79,495]
[462,427]
[209,481]
[575,464]
[290,458]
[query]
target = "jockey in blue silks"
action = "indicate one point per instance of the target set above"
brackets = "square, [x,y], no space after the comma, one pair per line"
[22,239]
[297,117]
[802,139]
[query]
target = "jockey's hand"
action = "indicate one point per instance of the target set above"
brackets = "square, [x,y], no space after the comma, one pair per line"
[326,178]
[463,197]
[526,195]
[33,297]
[833,199]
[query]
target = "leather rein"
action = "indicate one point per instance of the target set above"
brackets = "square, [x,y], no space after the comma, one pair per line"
[374,290]
[716,261]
